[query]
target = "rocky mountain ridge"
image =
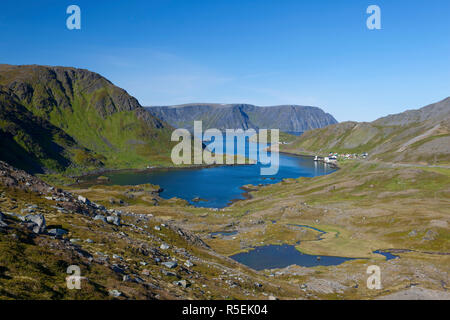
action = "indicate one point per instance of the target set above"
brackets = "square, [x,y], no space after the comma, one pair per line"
[287,118]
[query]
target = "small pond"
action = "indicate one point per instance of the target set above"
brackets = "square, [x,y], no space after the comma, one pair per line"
[223,233]
[387,254]
[281,256]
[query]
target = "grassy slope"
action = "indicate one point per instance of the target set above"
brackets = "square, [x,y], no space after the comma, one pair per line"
[422,140]
[105,123]
[282,137]
[33,143]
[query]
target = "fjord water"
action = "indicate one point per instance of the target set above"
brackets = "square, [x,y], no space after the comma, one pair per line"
[218,185]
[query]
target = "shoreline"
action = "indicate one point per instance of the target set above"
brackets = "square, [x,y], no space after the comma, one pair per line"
[334,165]
[192,166]
[246,194]
[136,170]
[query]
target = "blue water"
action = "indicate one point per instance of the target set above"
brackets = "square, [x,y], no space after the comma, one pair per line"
[218,185]
[224,233]
[309,227]
[387,254]
[281,256]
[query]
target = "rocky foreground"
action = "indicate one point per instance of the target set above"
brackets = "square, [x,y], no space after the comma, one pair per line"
[131,244]
[121,254]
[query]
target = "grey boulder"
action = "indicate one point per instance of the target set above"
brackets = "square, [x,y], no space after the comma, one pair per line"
[58,233]
[100,217]
[113,220]
[115,293]
[170,264]
[37,222]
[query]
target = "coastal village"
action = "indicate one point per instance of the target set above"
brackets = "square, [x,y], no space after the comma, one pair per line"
[333,157]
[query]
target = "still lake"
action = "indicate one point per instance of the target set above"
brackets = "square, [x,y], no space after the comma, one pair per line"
[217,185]
[281,256]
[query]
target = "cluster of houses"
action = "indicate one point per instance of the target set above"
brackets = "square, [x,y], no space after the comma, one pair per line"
[333,157]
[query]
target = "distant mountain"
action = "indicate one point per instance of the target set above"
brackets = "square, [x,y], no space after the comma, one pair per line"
[288,118]
[420,136]
[54,119]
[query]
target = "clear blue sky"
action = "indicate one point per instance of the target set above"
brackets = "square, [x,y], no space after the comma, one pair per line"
[316,52]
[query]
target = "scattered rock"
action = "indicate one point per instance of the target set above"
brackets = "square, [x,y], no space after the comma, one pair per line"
[189,237]
[115,293]
[100,217]
[117,269]
[113,220]
[58,233]
[164,246]
[169,273]
[117,213]
[83,199]
[188,264]
[37,222]
[126,278]
[170,264]
[183,283]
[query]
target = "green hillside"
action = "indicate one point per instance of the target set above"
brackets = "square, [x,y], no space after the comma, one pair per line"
[57,119]
[420,136]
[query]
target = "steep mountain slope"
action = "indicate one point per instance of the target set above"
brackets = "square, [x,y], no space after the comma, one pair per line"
[421,136]
[243,116]
[54,118]
[32,142]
